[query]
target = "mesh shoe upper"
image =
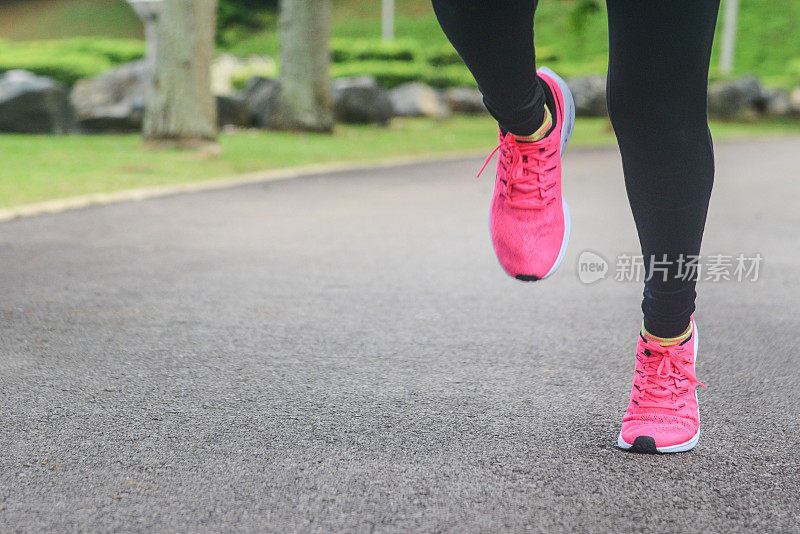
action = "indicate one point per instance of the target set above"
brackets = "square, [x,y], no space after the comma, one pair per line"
[663,404]
[527,219]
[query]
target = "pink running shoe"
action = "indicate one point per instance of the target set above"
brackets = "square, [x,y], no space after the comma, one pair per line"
[663,414]
[529,219]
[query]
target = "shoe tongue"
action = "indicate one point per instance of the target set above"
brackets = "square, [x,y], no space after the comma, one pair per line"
[525,188]
[659,393]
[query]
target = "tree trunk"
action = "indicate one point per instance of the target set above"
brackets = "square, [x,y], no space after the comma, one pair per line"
[182,108]
[305,101]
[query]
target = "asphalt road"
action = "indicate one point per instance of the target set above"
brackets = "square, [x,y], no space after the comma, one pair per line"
[342,353]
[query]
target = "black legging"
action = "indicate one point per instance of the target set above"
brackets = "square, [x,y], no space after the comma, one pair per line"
[657,84]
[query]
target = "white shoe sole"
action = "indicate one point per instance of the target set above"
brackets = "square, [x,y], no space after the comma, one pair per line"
[680,447]
[566,135]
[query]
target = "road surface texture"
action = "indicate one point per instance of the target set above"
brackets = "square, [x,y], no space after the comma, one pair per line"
[343,353]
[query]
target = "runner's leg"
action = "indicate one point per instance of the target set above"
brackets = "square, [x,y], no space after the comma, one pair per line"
[657,88]
[495,40]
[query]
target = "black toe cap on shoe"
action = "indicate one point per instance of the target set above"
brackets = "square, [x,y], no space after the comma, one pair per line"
[527,277]
[644,444]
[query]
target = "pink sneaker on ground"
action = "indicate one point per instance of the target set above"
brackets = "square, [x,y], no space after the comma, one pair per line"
[529,219]
[663,414]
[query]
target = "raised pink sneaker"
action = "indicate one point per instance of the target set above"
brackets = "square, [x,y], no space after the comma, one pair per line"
[529,219]
[663,414]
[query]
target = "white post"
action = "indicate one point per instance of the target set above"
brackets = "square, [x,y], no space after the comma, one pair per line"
[148,11]
[729,36]
[150,39]
[387,20]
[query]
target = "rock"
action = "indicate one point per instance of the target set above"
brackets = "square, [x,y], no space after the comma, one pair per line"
[794,101]
[416,99]
[232,111]
[464,100]
[360,100]
[226,68]
[260,96]
[589,93]
[776,103]
[740,99]
[365,81]
[33,104]
[114,101]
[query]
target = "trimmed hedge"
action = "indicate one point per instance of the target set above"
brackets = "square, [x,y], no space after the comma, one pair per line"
[117,51]
[348,50]
[449,76]
[793,71]
[67,69]
[443,55]
[396,62]
[393,73]
[69,60]
[391,63]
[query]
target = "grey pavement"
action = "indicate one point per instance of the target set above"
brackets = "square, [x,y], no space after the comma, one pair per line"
[342,353]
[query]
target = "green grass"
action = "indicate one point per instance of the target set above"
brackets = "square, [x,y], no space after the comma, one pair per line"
[38,168]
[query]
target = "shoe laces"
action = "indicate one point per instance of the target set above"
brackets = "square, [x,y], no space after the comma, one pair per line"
[528,167]
[666,377]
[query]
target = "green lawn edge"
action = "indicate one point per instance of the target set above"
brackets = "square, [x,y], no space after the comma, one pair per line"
[43,168]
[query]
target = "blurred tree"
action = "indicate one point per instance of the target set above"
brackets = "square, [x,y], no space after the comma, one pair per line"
[305,101]
[182,108]
[239,18]
[579,16]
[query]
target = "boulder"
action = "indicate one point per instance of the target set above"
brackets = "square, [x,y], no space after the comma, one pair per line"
[589,93]
[226,68]
[261,96]
[794,101]
[365,81]
[232,111]
[360,100]
[33,104]
[775,103]
[464,100]
[416,99]
[740,99]
[114,101]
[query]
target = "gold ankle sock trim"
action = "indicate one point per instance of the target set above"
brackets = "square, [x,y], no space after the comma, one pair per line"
[539,134]
[668,341]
